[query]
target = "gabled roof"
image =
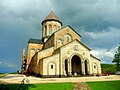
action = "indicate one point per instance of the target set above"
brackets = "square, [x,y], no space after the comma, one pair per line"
[69,27]
[51,17]
[36,41]
[94,57]
[82,44]
[77,41]
[74,30]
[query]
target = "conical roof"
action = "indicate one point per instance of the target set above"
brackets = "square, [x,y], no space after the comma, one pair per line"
[51,17]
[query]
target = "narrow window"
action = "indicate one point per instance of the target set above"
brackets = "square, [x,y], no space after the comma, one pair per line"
[45,29]
[50,29]
[55,27]
[68,39]
[51,66]
[94,67]
[58,27]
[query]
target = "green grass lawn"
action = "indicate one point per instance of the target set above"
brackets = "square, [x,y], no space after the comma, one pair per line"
[104,85]
[48,86]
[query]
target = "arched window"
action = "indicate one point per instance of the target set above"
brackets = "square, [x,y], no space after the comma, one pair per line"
[58,27]
[50,29]
[51,66]
[67,38]
[66,66]
[95,68]
[59,43]
[55,27]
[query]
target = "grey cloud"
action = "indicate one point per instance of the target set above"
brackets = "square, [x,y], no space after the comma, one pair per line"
[106,38]
[96,14]
[105,55]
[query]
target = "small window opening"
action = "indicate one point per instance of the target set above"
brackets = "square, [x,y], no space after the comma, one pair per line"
[94,67]
[51,66]
[68,39]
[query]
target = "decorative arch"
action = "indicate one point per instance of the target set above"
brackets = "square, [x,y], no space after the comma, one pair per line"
[76,61]
[67,38]
[80,56]
[66,67]
[55,27]
[50,28]
[59,43]
[51,68]
[87,66]
[76,65]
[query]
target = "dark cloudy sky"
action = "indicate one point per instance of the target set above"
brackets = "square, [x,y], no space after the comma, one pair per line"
[98,21]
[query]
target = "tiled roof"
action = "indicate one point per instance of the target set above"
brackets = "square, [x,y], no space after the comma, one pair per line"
[50,17]
[38,41]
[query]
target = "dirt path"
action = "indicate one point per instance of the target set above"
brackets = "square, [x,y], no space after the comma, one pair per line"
[81,86]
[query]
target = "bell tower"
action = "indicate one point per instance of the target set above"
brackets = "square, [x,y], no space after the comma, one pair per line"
[49,25]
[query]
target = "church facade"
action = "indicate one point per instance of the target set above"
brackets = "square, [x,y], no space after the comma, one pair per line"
[60,52]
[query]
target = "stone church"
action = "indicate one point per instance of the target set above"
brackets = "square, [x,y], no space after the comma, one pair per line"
[60,52]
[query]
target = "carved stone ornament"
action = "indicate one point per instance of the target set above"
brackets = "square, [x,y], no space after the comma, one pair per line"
[76,48]
[68,52]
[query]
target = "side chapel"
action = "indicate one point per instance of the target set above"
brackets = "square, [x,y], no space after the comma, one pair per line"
[60,52]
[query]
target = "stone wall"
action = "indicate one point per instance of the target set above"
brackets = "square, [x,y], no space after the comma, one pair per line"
[71,49]
[61,36]
[51,65]
[95,65]
[32,49]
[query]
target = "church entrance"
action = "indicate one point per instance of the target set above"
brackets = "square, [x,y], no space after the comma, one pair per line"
[76,65]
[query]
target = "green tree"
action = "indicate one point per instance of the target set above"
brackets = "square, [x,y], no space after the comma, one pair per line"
[117,58]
